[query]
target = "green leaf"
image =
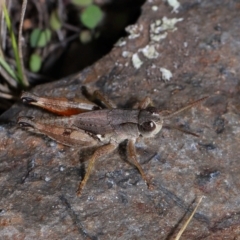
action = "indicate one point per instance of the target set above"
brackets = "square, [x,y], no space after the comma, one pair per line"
[91,16]
[54,21]
[44,38]
[35,34]
[40,38]
[35,62]
[82,3]
[8,68]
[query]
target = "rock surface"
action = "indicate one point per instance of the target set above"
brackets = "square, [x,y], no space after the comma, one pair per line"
[39,177]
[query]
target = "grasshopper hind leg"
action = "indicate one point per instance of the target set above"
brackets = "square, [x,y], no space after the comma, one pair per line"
[60,106]
[99,98]
[105,100]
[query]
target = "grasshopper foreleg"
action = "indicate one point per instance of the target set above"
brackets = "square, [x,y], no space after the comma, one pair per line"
[146,102]
[103,150]
[133,156]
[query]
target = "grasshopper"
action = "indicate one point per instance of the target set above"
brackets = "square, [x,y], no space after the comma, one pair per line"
[85,124]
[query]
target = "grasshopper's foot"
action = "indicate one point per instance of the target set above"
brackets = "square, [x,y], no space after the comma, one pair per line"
[79,191]
[149,184]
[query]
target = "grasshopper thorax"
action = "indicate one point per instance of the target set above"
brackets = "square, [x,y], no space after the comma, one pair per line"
[149,122]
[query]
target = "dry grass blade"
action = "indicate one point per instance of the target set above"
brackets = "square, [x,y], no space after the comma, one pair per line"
[188,221]
[7,96]
[24,78]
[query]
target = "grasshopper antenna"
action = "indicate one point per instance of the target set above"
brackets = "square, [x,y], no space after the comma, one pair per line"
[185,108]
[181,110]
[181,130]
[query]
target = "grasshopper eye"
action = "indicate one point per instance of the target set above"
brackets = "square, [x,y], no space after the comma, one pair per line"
[147,126]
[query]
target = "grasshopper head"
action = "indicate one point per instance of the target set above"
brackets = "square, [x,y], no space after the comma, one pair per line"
[149,122]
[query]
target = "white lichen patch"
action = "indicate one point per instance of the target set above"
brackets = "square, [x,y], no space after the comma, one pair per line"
[134,30]
[154,8]
[121,42]
[158,29]
[137,63]
[174,4]
[47,179]
[149,52]
[169,24]
[158,37]
[166,74]
[126,54]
